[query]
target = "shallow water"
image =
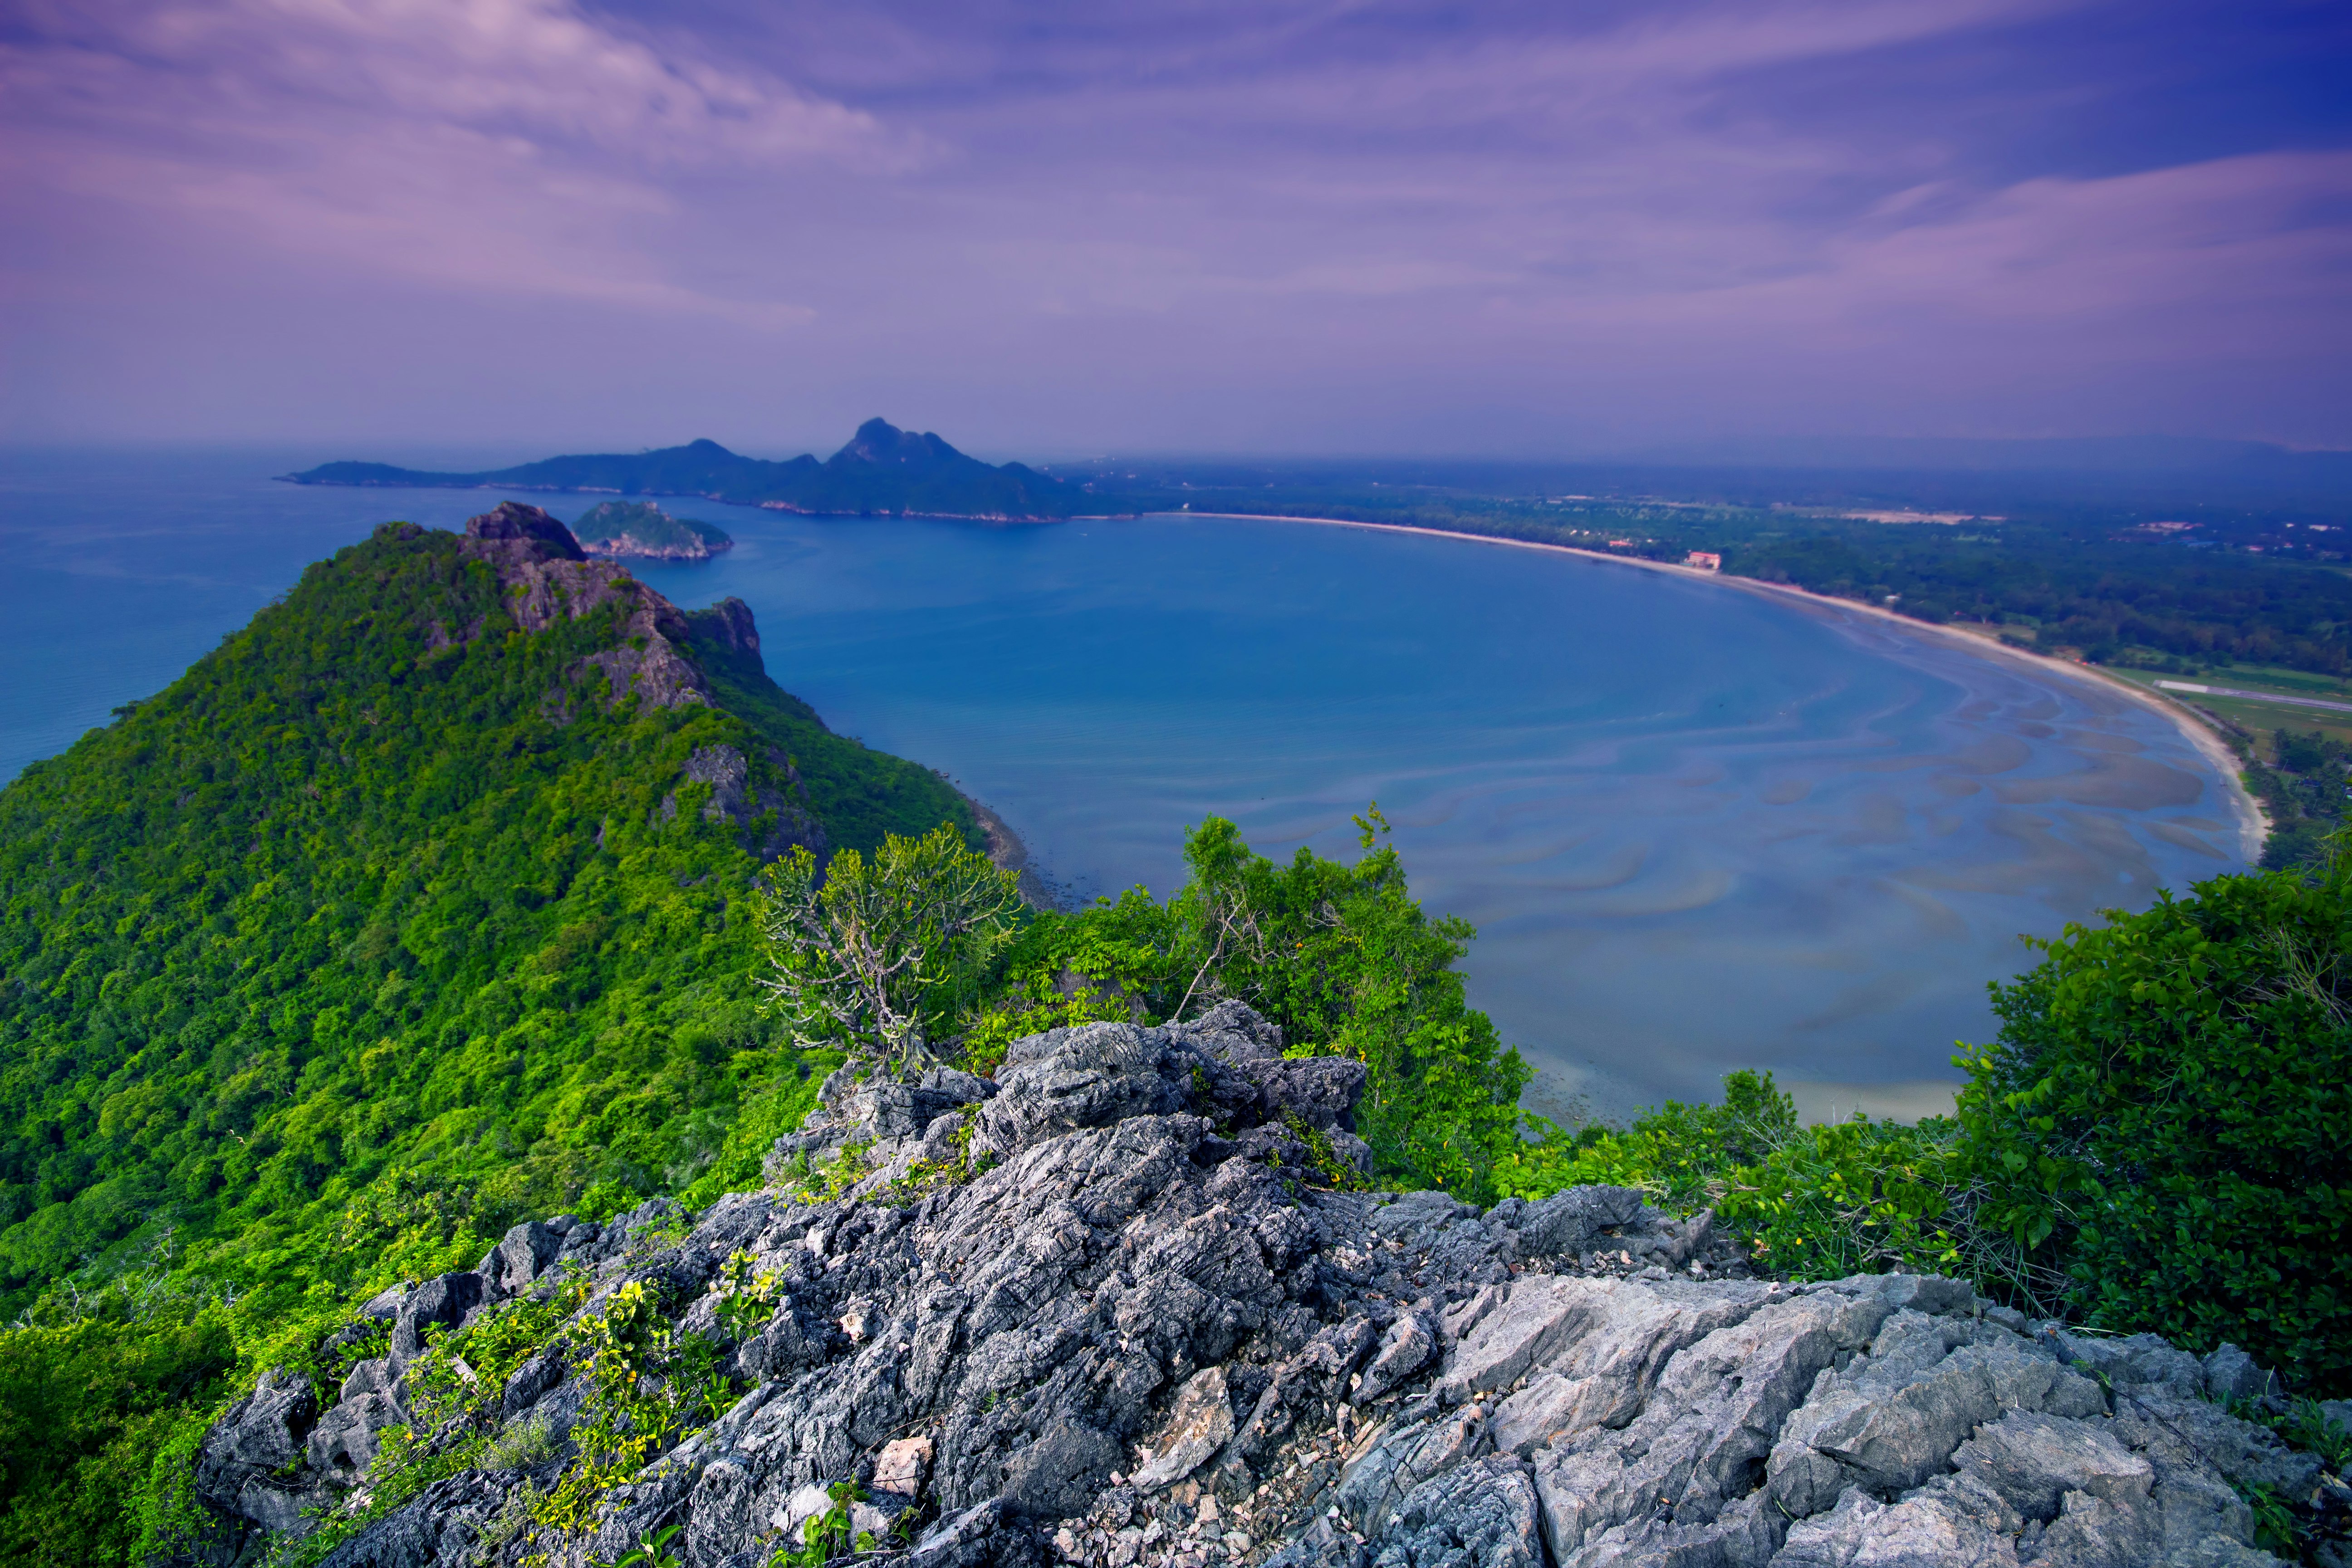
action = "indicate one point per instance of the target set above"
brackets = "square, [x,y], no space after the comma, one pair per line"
[1698,828]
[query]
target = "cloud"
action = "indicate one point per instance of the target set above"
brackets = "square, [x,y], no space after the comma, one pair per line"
[512,146]
[1166,221]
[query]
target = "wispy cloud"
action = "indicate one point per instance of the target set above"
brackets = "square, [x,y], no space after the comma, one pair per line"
[1059,222]
[514,146]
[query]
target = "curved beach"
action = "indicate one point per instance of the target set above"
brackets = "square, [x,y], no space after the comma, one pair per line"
[2253,824]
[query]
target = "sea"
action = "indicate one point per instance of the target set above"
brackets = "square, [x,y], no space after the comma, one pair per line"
[1698,828]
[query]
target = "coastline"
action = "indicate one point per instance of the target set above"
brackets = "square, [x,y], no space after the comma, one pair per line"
[2252,823]
[1010,854]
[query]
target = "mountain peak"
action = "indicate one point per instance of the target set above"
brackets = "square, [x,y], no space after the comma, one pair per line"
[541,535]
[882,471]
[879,441]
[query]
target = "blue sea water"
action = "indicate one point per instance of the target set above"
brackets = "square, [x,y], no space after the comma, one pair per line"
[1698,827]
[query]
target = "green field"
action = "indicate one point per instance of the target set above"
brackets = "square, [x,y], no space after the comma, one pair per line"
[2251,713]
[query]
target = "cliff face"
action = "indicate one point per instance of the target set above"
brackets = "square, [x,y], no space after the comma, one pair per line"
[546,575]
[1114,1307]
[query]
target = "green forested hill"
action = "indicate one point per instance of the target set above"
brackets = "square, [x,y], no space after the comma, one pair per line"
[357,911]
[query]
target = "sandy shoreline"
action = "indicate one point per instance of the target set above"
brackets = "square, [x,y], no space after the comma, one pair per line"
[2253,826]
[1010,854]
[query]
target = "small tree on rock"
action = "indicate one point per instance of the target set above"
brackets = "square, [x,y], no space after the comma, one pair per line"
[882,956]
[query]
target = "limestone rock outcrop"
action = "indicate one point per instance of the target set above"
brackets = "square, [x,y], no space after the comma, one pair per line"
[1120,1306]
[546,577]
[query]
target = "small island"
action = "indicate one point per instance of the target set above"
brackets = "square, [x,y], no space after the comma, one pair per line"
[641,528]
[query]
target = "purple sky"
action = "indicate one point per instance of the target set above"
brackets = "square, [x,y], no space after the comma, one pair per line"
[1204,225]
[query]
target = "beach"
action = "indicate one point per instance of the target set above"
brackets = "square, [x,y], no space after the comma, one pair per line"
[2253,824]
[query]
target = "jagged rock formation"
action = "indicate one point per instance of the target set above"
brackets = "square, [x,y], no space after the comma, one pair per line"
[546,576]
[1111,1309]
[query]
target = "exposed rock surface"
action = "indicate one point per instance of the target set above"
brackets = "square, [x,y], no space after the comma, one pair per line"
[769,821]
[1109,1309]
[546,577]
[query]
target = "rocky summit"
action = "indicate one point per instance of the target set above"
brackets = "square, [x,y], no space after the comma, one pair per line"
[1123,1304]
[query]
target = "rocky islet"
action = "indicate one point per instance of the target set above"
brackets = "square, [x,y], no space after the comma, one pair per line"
[1120,1306]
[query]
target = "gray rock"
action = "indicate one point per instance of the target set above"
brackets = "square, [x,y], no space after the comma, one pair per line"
[2239,1451]
[529,1382]
[1916,1533]
[374,1376]
[1199,1424]
[2034,1461]
[444,1300]
[977,1538]
[1479,1515]
[525,1253]
[2137,1361]
[345,1442]
[1059,1472]
[1409,1346]
[1400,1460]
[1566,1223]
[442,1526]
[2231,1373]
[1389,1382]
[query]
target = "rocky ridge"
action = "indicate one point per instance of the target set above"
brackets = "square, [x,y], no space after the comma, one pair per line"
[1117,1306]
[545,575]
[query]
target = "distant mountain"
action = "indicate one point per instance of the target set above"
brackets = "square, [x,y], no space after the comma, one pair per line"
[883,470]
[639,528]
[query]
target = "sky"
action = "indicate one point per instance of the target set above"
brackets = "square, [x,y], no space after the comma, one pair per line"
[390,227]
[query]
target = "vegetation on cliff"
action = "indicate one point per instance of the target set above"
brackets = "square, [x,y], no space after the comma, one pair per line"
[354,902]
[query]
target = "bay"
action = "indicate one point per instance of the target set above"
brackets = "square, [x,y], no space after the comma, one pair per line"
[1699,828]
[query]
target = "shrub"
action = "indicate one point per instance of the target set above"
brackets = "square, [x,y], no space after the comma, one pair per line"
[2164,1119]
[1678,1155]
[884,954]
[1342,959]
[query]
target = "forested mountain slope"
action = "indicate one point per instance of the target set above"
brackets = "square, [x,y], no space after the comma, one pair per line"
[429,887]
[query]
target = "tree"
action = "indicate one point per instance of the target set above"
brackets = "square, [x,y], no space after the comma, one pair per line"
[2163,1118]
[1345,960]
[882,957]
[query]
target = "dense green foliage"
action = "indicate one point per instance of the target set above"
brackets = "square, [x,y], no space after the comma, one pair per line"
[2303,791]
[86,1405]
[647,527]
[1339,956]
[341,901]
[2164,1114]
[881,470]
[1810,1203]
[885,956]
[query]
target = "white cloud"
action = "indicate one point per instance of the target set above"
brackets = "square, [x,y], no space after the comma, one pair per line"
[514,146]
